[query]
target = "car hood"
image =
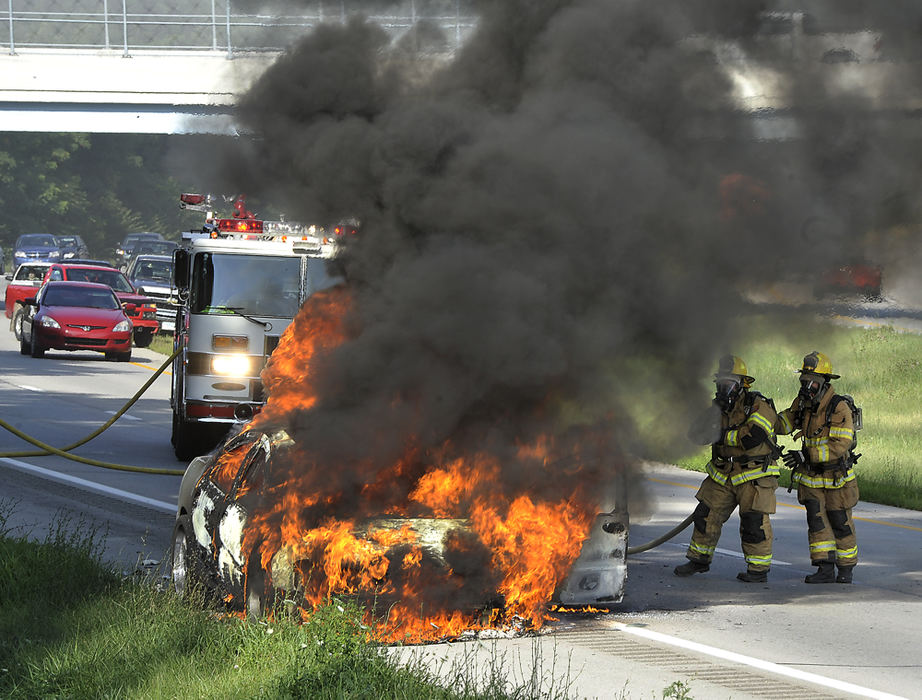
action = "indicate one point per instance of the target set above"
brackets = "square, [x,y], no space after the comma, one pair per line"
[132,298]
[37,248]
[154,286]
[82,315]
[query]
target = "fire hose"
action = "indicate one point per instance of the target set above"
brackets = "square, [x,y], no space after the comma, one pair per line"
[46,449]
[659,540]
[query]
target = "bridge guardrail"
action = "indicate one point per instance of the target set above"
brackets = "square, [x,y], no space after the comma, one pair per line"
[216,25]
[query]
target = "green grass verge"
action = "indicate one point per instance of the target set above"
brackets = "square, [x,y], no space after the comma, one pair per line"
[162,343]
[880,368]
[71,628]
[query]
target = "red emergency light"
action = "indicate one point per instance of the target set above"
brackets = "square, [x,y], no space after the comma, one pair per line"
[240,225]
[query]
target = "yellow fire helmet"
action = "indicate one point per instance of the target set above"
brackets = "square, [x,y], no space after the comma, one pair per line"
[818,363]
[731,364]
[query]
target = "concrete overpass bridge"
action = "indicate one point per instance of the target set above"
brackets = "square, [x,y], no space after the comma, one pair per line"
[167,66]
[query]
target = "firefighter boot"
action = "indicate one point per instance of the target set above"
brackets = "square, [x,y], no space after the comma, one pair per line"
[826,573]
[691,567]
[751,576]
[845,574]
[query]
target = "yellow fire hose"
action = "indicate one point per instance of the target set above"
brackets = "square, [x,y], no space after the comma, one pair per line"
[46,449]
[659,540]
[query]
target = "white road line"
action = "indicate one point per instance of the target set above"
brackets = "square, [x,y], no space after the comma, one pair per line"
[92,486]
[126,416]
[28,388]
[757,663]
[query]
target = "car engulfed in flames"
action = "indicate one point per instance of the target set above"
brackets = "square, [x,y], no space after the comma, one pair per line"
[396,565]
[481,527]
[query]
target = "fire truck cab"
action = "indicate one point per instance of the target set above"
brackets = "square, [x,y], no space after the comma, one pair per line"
[240,282]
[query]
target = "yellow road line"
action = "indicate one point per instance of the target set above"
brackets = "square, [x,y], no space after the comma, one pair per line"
[799,507]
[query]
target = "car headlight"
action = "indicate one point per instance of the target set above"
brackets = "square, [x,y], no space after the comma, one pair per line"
[19,253]
[231,365]
[48,322]
[54,254]
[122,326]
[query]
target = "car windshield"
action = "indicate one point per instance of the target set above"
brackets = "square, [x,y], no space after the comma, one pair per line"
[36,239]
[30,273]
[80,296]
[158,270]
[113,278]
[154,248]
[67,240]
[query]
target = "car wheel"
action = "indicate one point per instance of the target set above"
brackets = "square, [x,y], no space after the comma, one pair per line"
[257,588]
[17,324]
[36,350]
[143,337]
[25,347]
[123,356]
[184,574]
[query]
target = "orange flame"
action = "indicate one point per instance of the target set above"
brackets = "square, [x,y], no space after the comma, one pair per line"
[512,542]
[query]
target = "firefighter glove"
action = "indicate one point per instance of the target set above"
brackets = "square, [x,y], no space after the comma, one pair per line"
[793,458]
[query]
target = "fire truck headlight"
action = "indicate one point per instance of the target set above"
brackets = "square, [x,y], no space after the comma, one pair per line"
[231,365]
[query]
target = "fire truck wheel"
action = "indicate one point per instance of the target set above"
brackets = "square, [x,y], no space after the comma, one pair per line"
[184,577]
[143,337]
[185,440]
[17,324]
[258,592]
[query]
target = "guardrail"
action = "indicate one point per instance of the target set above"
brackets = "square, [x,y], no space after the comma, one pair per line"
[215,25]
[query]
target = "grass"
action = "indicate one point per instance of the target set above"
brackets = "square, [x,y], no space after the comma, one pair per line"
[880,368]
[72,628]
[162,343]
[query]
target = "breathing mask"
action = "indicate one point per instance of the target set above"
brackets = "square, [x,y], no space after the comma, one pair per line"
[728,391]
[811,387]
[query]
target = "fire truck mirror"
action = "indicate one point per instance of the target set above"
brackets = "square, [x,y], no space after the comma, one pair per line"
[181,269]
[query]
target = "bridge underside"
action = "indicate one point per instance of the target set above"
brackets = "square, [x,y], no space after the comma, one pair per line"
[167,92]
[116,118]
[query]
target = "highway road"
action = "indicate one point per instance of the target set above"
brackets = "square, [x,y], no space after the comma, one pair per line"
[723,638]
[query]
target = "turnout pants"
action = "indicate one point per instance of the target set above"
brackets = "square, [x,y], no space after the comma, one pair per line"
[830,528]
[756,500]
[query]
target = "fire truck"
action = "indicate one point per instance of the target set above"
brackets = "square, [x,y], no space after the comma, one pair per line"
[240,281]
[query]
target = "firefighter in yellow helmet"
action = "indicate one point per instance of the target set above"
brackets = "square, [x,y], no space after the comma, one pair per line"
[740,426]
[823,469]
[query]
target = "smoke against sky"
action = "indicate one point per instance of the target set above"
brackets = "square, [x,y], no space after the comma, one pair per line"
[545,230]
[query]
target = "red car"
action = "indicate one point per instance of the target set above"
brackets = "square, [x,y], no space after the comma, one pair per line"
[859,278]
[144,314]
[76,316]
[23,283]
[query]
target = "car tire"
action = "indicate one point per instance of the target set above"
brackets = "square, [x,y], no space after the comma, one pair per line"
[16,323]
[143,337]
[184,575]
[257,591]
[36,350]
[123,357]
[25,347]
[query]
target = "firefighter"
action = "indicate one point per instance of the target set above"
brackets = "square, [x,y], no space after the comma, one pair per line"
[823,469]
[740,426]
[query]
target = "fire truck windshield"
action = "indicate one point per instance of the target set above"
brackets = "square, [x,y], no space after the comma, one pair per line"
[257,285]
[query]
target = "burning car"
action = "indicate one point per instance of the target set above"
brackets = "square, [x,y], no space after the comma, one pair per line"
[439,562]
